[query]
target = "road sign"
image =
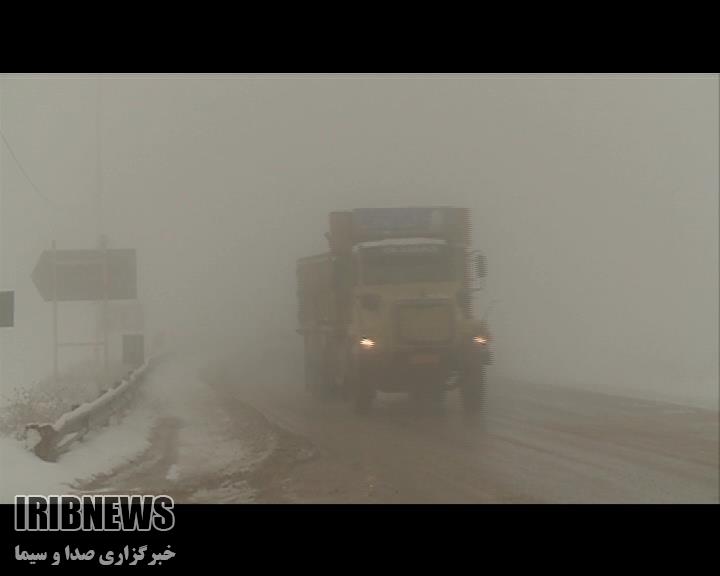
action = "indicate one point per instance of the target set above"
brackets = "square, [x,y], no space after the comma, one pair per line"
[78,275]
[7,309]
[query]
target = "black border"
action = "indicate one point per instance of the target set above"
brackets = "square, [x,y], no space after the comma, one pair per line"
[481,38]
[306,537]
[491,538]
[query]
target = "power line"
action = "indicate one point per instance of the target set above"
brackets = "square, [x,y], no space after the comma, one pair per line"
[27,176]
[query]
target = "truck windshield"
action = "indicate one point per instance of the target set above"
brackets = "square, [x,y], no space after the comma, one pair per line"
[402,264]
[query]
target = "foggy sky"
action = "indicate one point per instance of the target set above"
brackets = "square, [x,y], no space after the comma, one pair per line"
[595,199]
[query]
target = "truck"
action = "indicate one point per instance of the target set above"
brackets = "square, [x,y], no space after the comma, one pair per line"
[388,307]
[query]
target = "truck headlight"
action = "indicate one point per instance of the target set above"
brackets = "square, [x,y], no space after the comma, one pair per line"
[480,340]
[367,343]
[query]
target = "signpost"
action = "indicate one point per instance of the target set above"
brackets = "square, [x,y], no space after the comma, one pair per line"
[97,275]
[7,309]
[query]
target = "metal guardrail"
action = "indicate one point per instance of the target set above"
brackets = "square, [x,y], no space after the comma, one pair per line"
[54,439]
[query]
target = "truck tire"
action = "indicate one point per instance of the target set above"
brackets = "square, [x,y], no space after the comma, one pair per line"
[309,375]
[363,398]
[362,391]
[312,375]
[317,381]
[321,387]
[472,390]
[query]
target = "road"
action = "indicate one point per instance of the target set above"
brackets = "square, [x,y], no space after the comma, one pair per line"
[255,436]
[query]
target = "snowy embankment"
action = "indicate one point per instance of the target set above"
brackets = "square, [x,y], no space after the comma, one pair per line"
[47,400]
[101,450]
[21,472]
[203,445]
[203,442]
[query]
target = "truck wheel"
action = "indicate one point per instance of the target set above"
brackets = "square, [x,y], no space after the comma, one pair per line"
[308,366]
[363,394]
[316,381]
[321,389]
[472,390]
[358,386]
[363,399]
[309,374]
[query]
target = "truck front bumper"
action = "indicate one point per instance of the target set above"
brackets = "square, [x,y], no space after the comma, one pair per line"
[399,370]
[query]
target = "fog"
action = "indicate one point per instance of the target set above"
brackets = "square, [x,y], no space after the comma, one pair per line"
[595,199]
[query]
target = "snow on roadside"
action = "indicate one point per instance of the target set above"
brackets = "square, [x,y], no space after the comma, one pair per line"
[21,472]
[208,447]
[206,450]
[47,400]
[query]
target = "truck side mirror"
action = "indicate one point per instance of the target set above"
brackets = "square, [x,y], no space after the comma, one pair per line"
[481,265]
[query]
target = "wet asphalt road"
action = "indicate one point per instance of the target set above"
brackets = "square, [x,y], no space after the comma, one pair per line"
[533,445]
[241,437]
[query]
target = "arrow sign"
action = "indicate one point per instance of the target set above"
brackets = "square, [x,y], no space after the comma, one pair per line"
[7,309]
[78,275]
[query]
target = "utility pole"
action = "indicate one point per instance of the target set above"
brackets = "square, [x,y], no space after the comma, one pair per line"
[98,160]
[102,306]
[104,310]
[55,314]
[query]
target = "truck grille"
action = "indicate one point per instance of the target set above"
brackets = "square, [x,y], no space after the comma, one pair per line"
[424,322]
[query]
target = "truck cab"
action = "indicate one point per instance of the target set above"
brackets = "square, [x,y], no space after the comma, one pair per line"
[398,314]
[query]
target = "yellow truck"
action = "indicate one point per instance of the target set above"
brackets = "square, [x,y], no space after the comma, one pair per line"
[388,308]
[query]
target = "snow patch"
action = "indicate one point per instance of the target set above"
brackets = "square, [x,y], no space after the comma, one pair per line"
[173,473]
[21,472]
